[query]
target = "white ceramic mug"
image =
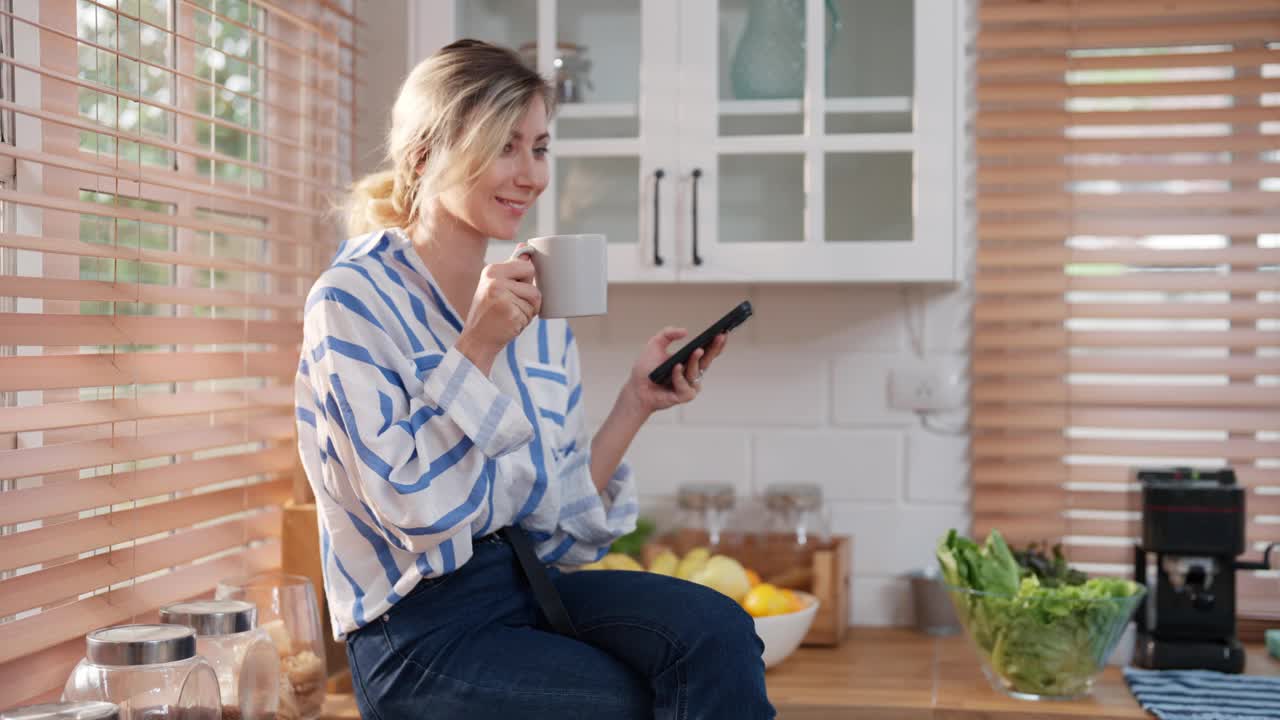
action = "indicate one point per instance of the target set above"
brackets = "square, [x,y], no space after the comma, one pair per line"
[572,272]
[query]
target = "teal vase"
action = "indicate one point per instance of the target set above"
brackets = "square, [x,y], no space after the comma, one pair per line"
[768,63]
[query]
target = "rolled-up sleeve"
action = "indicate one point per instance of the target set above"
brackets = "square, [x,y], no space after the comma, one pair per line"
[589,520]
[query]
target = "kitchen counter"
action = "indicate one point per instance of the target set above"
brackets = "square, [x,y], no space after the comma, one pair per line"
[898,674]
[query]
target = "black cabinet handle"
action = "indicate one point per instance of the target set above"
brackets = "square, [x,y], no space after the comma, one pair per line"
[697,259]
[657,217]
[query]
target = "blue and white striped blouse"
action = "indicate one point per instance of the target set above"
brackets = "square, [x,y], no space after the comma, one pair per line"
[412,452]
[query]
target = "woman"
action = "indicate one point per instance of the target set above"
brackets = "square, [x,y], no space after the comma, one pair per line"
[441,426]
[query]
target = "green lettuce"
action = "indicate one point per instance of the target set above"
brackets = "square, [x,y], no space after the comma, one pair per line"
[1046,638]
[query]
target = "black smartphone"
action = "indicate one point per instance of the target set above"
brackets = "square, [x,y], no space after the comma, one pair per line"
[661,375]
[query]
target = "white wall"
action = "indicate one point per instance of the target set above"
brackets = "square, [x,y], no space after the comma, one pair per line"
[381,69]
[800,395]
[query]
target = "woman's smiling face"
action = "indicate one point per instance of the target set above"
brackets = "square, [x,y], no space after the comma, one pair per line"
[496,203]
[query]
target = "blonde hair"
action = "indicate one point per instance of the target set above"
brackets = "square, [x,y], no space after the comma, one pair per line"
[454,113]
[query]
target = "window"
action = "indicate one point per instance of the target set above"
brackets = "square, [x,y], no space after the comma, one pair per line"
[8,259]
[1128,281]
[176,161]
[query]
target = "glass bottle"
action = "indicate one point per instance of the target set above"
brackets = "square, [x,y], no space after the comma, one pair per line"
[290,614]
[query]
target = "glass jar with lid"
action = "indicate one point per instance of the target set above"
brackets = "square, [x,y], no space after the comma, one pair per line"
[90,710]
[796,511]
[706,507]
[241,653]
[152,672]
[797,526]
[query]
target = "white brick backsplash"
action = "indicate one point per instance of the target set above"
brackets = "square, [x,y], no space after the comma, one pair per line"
[937,467]
[589,330]
[636,312]
[860,390]
[603,372]
[751,386]
[880,600]
[604,369]
[830,318]
[661,509]
[802,395]
[948,323]
[665,457]
[848,465]
[893,540]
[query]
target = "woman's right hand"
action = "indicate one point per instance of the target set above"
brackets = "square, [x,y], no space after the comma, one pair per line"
[505,302]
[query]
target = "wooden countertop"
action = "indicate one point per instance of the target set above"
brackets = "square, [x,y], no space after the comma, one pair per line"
[897,674]
[900,674]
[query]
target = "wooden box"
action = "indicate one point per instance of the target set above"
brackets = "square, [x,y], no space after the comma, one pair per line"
[820,568]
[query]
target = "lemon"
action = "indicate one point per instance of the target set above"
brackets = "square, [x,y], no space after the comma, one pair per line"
[796,602]
[764,600]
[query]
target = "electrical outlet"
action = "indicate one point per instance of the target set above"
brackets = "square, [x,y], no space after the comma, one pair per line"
[925,388]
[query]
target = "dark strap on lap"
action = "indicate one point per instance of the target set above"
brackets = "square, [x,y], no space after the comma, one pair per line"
[543,590]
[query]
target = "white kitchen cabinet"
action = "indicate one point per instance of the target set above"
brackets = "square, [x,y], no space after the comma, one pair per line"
[734,141]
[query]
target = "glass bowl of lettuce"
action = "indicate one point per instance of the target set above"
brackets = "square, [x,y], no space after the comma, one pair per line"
[1042,629]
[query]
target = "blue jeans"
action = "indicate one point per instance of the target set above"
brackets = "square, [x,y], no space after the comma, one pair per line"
[473,644]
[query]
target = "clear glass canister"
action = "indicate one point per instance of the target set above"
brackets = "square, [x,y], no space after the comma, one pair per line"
[706,507]
[290,614]
[797,527]
[152,672]
[796,510]
[241,653]
[64,711]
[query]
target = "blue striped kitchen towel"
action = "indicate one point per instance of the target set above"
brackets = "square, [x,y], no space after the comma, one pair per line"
[1204,694]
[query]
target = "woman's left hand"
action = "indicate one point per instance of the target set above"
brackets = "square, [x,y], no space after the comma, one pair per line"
[686,382]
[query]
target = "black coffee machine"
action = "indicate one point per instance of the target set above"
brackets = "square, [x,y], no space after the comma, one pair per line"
[1193,529]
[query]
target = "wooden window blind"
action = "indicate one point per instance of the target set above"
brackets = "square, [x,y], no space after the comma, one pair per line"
[1128,282]
[172,164]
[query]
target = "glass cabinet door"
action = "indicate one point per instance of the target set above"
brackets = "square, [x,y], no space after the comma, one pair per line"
[818,139]
[607,58]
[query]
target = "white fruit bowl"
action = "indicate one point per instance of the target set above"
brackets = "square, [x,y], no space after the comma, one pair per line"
[782,634]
